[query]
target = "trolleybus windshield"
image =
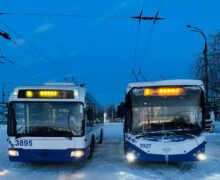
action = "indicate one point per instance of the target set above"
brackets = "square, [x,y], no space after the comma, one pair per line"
[180,112]
[47,119]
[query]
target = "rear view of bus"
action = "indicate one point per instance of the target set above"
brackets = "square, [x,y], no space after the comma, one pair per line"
[164,121]
[50,124]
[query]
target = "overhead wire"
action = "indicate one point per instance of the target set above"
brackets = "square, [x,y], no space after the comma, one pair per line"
[10,62]
[136,46]
[49,62]
[64,15]
[136,43]
[6,59]
[149,37]
[28,52]
[98,16]
[147,45]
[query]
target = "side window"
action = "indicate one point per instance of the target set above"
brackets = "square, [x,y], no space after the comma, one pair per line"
[94,114]
[20,117]
[100,116]
[89,114]
[11,120]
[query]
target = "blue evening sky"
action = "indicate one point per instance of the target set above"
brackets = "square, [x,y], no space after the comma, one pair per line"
[99,51]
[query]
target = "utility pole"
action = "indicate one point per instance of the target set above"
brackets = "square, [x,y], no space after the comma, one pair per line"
[6,36]
[3,99]
[112,112]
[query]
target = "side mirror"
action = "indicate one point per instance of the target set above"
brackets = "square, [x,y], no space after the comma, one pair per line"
[209,124]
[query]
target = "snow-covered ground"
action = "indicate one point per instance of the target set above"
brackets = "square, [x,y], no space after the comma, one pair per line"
[109,163]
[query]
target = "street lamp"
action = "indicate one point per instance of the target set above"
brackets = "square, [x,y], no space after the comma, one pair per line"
[198,30]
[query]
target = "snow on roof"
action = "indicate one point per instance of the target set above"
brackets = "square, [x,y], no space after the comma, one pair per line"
[175,82]
[52,85]
[60,84]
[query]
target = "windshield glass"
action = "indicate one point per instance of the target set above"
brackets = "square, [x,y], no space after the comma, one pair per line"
[166,113]
[48,118]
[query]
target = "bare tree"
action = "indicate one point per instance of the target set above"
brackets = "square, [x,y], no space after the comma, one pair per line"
[213,67]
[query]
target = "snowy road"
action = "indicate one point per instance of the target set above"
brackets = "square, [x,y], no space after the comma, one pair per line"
[108,163]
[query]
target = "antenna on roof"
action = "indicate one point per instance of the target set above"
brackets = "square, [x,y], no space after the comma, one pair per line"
[74,80]
[70,79]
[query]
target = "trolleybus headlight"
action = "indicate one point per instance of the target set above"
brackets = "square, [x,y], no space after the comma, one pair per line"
[13,153]
[201,156]
[131,157]
[77,153]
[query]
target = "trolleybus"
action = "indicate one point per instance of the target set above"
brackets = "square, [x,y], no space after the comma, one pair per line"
[164,121]
[57,122]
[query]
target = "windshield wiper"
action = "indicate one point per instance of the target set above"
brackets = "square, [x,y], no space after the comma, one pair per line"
[68,119]
[57,132]
[20,136]
[182,130]
[51,132]
[68,135]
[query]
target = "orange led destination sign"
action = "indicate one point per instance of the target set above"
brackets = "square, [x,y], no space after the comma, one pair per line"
[48,94]
[163,91]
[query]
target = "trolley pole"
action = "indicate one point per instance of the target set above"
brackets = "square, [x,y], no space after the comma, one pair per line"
[112,113]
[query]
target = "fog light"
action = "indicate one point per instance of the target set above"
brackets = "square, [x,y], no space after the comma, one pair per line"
[131,157]
[13,153]
[77,153]
[201,156]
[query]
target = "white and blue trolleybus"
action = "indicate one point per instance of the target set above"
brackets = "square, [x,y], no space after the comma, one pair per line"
[57,122]
[164,121]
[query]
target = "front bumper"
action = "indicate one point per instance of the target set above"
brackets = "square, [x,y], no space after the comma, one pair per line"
[35,155]
[143,156]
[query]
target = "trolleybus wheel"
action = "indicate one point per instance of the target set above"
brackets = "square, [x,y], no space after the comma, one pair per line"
[91,148]
[101,137]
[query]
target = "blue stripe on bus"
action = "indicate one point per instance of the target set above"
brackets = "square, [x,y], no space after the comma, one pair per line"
[38,155]
[143,156]
[35,155]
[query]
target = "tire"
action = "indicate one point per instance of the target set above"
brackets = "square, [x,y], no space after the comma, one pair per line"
[91,148]
[101,137]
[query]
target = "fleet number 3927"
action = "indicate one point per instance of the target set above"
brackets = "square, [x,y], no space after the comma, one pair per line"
[145,145]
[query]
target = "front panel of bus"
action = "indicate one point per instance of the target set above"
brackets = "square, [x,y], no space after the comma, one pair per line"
[49,130]
[164,122]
